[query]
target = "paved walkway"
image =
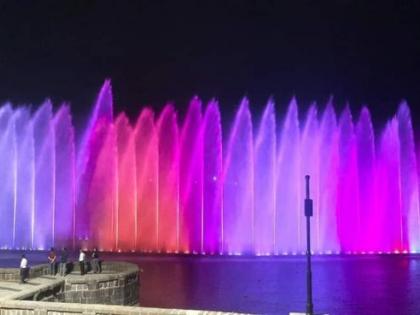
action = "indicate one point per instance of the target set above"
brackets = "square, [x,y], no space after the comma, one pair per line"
[14,290]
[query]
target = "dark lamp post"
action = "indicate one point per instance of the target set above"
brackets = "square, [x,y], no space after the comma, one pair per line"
[308,214]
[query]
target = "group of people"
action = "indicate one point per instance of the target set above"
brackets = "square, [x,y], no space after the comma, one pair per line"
[95,263]
[52,260]
[63,263]
[83,262]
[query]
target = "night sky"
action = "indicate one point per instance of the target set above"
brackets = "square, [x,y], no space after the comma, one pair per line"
[362,52]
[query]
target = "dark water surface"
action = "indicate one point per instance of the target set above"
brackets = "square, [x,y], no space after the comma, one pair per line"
[344,285]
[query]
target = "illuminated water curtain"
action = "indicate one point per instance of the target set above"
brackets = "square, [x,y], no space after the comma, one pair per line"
[165,186]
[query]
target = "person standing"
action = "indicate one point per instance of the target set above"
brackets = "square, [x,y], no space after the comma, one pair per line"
[82,258]
[95,261]
[63,262]
[52,260]
[23,269]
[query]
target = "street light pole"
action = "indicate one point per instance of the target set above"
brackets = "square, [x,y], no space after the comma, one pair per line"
[308,215]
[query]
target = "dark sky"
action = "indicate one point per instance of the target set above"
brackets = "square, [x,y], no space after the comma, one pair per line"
[363,52]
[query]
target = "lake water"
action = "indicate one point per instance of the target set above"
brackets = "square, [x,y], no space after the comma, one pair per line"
[344,285]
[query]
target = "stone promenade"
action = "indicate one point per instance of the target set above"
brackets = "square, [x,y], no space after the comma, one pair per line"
[115,292]
[11,290]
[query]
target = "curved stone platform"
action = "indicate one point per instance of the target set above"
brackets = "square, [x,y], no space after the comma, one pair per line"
[118,284]
[92,294]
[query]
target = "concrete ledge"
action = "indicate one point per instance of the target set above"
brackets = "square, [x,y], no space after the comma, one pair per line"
[91,294]
[12,274]
[48,291]
[118,284]
[45,308]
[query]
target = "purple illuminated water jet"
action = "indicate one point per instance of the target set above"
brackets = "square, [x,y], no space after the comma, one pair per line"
[171,184]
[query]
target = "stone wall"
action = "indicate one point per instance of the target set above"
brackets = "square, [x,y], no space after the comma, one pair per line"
[12,274]
[117,284]
[12,307]
[52,292]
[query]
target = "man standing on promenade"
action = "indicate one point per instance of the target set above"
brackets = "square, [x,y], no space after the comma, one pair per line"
[52,260]
[23,269]
[95,261]
[82,257]
[63,262]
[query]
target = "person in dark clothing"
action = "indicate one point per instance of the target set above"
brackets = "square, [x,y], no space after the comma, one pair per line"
[95,261]
[52,260]
[63,262]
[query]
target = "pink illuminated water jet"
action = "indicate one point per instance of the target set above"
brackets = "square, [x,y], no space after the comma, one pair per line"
[168,185]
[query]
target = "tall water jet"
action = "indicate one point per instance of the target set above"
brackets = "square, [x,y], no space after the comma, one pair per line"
[168,213]
[65,178]
[102,110]
[44,209]
[310,165]
[25,180]
[328,154]
[147,166]
[265,182]
[409,180]
[238,179]
[97,181]
[288,198]
[191,181]
[87,152]
[348,214]
[212,180]
[126,209]
[8,170]
[388,194]
[366,165]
